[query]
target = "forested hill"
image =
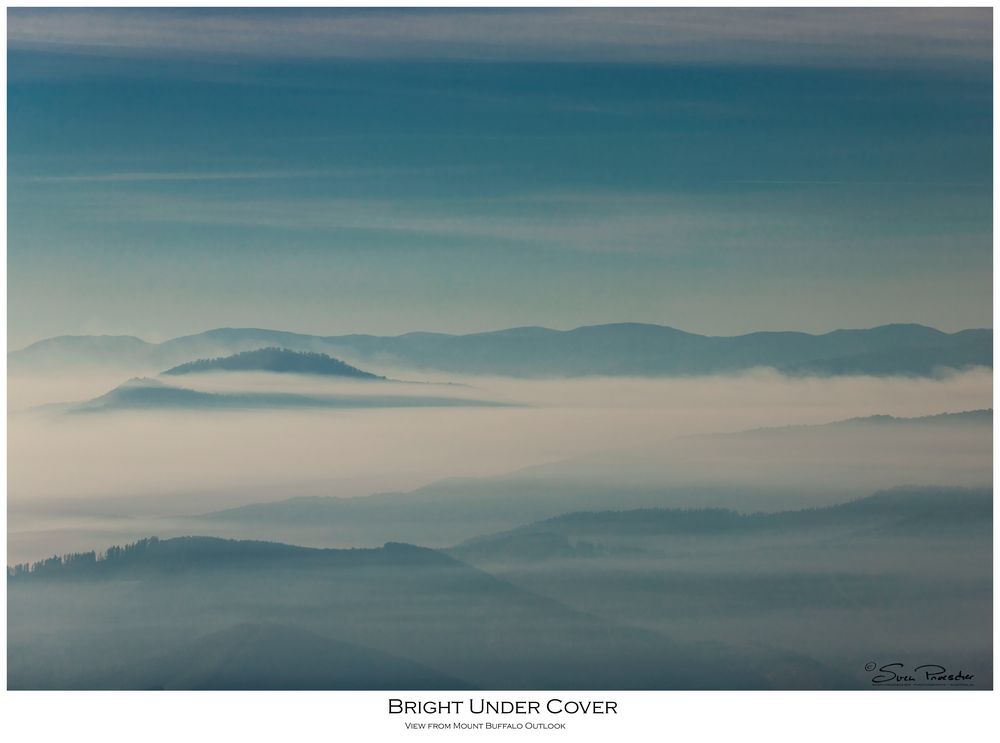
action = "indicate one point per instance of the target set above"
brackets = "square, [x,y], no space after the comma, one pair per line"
[277,360]
[181,554]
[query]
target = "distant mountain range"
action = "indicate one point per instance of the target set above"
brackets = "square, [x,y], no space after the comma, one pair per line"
[624,349]
[210,613]
[450,511]
[982,417]
[151,394]
[896,512]
[275,360]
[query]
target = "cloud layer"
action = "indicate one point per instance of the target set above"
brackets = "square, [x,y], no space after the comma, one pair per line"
[844,36]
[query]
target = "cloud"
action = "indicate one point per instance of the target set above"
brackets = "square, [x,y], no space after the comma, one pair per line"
[743,225]
[154,177]
[597,222]
[129,453]
[781,36]
[192,176]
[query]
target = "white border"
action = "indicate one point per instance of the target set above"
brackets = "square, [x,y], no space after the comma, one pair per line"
[362,716]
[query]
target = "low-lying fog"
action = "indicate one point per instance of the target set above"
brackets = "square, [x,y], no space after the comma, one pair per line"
[87,481]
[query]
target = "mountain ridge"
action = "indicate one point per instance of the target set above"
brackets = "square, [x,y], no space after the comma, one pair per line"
[448,511]
[437,612]
[615,349]
[905,510]
[179,554]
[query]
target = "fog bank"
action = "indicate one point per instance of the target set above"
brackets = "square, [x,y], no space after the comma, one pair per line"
[147,464]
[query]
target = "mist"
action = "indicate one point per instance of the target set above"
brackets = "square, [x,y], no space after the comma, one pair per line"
[73,478]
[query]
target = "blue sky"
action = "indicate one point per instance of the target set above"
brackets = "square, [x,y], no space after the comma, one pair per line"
[386,171]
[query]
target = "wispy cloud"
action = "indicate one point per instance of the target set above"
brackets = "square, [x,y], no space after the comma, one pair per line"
[593,223]
[877,184]
[820,36]
[739,226]
[183,176]
[155,177]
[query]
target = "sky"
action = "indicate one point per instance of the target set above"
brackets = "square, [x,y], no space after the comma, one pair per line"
[382,171]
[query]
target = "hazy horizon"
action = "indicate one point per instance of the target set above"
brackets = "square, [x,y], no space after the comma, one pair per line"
[476,331]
